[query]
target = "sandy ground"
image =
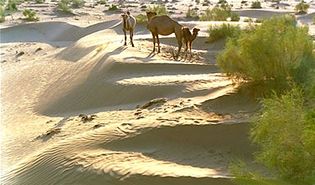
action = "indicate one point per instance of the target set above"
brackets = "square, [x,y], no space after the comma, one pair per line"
[78,107]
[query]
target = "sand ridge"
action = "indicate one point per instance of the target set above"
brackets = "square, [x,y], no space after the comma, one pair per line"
[86,72]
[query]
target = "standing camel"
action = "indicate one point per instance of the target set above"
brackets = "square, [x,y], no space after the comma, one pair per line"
[129,24]
[188,38]
[164,25]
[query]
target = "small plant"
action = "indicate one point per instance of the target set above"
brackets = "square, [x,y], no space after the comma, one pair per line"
[158,9]
[2,14]
[256,4]
[64,6]
[12,6]
[222,32]
[216,14]
[30,15]
[112,7]
[248,20]
[235,17]
[302,7]
[39,1]
[191,13]
[77,3]
[102,2]
[141,19]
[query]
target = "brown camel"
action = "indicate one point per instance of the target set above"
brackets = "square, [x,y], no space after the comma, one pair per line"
[164,25]
[129,23]
[188,38]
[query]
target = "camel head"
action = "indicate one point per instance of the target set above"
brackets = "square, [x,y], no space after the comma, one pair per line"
[150,15]
[196,30]
[125,15]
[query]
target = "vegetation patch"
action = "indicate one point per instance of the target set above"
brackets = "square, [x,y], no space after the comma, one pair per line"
[301,8]
[141,19]
[191,13]
[222,32]
[2,14]
[113,7]
[158,9]
[256,4]
[30,15]
[64,6]
[277,50]
[221,13]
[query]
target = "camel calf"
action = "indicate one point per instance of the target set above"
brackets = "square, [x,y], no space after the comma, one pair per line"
[188,38]
[129,24]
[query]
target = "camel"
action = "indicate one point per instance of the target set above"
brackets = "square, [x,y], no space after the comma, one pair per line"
[164,25]
[129,24]
[188,38]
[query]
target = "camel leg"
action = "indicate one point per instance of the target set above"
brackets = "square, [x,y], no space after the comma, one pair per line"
[190,43]
[125,37]
[179,38]
[186,43]
[179,47]
[153,36]
[158,42]
[131,38]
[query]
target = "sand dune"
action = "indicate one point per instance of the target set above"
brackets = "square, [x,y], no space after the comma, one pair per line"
[189,139]
[192,152]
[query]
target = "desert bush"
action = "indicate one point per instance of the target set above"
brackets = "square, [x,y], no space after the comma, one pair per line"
[159,9]
[2,14]
[302,7]
[276,50]
[223,31]
[285,133]
[141,19]
[256,4]
[235,16]
[191,13]
[77,3]
[39,1]
[101,1]
[64,6]
[113,7]
[30,15]
[12,6]
[216,14]
[248,20]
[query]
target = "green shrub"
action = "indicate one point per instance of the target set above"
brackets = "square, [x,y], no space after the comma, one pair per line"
[39,1]
[248,20]
[276,50]
[77,3]
[191,13]
[141,19]
[223,31]
[158,9]
[102,1]
[216,14]
[256,4]
[235,17]
[2,14]
[12,6]
[30,15]
[64,6]
[112,7]
[302,7]
[285,133]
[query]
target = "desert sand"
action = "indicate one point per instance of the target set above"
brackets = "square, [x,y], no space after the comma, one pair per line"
[78,107]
